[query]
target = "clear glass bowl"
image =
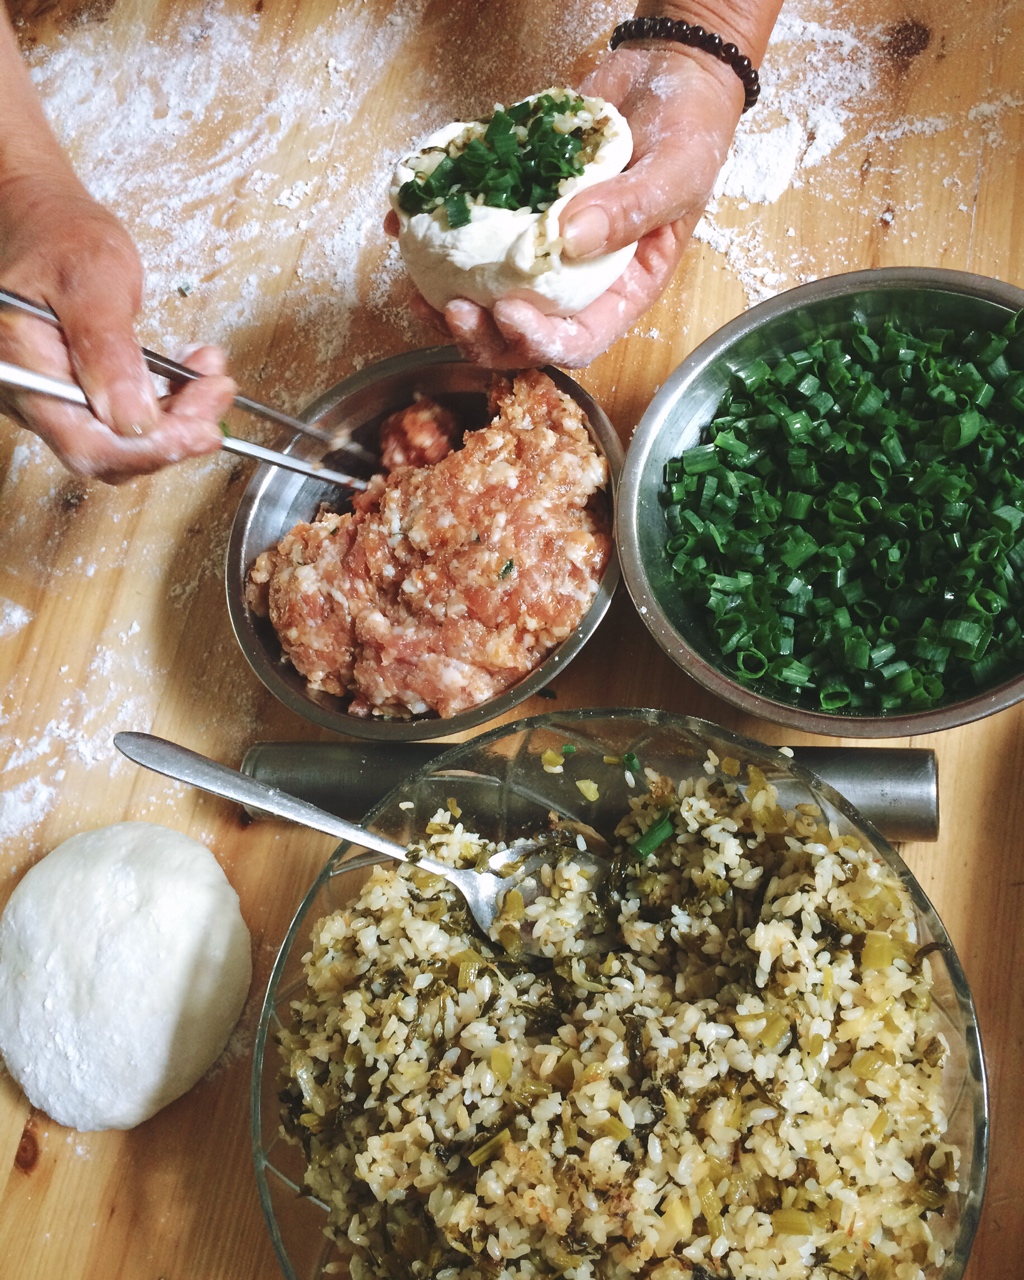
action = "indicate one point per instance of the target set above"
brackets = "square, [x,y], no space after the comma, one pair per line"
[502,789]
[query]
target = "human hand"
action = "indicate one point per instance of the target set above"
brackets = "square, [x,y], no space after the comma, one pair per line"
[682,108]
[62,249]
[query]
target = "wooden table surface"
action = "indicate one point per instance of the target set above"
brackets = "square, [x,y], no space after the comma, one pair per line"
[248,144]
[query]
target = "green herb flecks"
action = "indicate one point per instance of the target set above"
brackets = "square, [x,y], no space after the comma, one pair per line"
[851,531]
[516,160]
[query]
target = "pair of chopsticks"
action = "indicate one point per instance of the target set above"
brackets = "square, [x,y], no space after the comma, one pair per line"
[12,375]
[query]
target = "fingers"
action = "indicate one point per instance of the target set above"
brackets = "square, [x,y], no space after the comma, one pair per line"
[517,335]
[62,249]
[96,296]
[98,325]
[187,425]
[422,310]
[109,367]
[650,195]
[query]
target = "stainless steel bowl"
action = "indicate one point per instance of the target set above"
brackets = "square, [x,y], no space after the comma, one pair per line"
[501,787]
[918,297]
[275,500]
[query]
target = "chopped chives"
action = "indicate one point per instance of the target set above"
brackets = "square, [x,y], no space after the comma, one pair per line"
[655,835]
[520,162]
[851,527]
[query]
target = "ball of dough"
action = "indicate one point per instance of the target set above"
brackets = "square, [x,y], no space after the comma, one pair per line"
[511,253]
[124,965]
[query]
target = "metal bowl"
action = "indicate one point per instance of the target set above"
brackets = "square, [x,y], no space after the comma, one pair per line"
[276,500]
[915,296]
[501,788]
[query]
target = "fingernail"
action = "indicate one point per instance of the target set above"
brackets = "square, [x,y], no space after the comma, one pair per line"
[586,233]
[133,411]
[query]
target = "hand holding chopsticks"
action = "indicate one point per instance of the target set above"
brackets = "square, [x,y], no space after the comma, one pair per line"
[140,457]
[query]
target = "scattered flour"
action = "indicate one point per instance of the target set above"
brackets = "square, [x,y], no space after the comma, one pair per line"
[812,76]
[13,617]
[761,166]
[823,109]
[24,806]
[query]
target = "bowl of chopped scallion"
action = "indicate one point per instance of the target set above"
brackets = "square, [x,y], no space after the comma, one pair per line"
[821,514]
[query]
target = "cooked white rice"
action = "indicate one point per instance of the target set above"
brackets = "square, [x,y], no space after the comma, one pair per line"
[747,1086]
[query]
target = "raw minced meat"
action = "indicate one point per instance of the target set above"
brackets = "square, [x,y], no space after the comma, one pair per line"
[419,435]
[448,583]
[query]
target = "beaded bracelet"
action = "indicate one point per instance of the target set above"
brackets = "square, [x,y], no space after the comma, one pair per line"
[697,38]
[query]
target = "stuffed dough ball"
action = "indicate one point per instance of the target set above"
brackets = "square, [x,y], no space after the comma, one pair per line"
[478,205]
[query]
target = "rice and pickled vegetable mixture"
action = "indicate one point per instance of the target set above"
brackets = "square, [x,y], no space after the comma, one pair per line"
[747,1085]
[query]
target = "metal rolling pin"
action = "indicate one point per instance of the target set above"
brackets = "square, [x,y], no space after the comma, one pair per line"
[895,788]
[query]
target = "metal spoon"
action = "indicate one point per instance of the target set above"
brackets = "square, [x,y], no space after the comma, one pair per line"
[483,890]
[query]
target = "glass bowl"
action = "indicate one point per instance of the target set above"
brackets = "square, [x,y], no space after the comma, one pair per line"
[919,298]
[275,500]
[502,789]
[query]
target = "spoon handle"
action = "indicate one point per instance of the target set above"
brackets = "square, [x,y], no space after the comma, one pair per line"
[180,763]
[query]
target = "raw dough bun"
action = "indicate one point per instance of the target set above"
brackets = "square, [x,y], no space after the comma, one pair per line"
[512,253]
[124,964]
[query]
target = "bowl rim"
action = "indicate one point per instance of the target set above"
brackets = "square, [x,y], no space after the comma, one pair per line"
[272,670]
[632,495]
[651,718]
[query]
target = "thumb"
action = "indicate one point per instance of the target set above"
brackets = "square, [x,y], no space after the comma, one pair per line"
[109,366]
[96,306]
[663,186]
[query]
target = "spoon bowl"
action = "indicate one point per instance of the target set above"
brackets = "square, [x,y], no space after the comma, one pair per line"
[517,866]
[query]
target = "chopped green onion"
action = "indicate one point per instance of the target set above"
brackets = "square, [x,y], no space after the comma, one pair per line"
[850,530]
[489,1149]
[655,835]
[519,162]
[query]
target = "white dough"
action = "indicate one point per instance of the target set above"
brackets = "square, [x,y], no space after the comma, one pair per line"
[512,253]
[124,965]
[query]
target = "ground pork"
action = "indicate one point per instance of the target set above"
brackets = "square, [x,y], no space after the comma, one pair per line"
[448,583]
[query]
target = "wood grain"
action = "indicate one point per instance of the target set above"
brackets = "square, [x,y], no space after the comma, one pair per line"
[112,607]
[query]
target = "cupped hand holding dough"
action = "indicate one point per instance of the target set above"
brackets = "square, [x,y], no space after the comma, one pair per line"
[124,965]
[511,253]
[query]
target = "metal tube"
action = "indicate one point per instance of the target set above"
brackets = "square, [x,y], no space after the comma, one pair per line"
[895,788]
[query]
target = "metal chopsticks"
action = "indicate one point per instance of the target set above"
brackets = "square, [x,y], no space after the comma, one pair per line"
[170,369]
[13,375]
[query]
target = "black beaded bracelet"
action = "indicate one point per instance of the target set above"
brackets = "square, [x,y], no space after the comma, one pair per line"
[690,34]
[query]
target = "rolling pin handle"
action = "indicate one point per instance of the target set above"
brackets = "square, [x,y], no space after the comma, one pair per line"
[895,788]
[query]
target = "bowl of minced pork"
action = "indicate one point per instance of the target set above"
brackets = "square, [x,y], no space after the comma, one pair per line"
[770,1071]
[821,515]
[473,567]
